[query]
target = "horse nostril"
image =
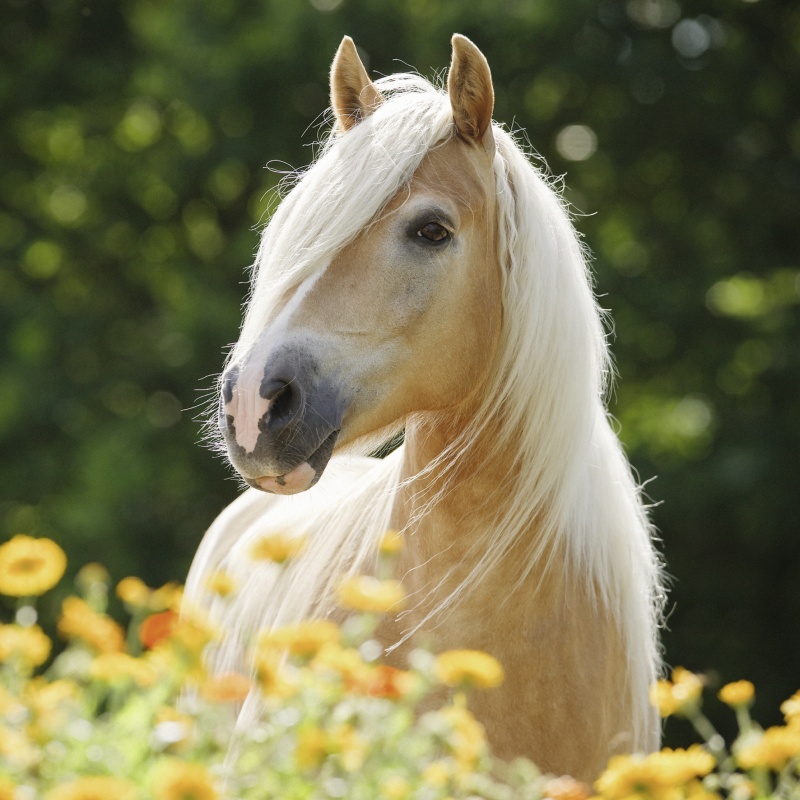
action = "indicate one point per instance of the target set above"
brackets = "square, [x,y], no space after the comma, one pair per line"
[284,403]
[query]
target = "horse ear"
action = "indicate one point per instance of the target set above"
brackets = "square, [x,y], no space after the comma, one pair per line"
[469,84]
[353,95]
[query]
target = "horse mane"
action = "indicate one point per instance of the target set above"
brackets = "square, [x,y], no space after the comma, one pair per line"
[544,403]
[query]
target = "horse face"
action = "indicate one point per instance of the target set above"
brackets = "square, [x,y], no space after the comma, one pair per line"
[404,319]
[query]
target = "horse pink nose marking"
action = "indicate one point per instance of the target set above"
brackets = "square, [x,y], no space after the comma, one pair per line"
[247,407]
[298,480]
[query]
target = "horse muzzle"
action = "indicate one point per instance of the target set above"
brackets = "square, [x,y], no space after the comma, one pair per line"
[280,421]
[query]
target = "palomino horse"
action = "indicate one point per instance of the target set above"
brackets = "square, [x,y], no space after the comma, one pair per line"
[422,275]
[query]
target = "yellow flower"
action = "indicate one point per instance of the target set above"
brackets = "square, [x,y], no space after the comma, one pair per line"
[48,701]
[169,596]
[677,696]
[30,567]
[99,631]
[772,749]
[437,774]
[92,574]
[469,667]
[179,780]
[221,583]
[395,788]
[272,676]
[312,747]
[738,693]
[229,687]
[656,775]
[277,547]
[365,593]
[134,592]
[791,710]
[346,662]
[392,543]
[7,790]
[467,739]
[96,787]
[302,639]
[117,667]
[29,646]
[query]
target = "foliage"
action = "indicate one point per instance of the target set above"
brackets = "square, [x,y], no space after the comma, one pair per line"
[145,719]
[133,143]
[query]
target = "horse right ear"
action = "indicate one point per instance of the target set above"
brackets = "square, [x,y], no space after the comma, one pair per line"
[353,95]
[469,84]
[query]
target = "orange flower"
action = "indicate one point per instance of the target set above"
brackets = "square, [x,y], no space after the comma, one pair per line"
[99,631]
[386,681]
[157,628]
[566,788]
[229,687]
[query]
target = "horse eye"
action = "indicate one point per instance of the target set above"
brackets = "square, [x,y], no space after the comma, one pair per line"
[433,232]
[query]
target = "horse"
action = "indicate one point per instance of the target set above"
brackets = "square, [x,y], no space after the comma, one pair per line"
[423,278]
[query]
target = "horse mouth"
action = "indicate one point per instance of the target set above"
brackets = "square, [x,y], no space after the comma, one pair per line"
[302,476]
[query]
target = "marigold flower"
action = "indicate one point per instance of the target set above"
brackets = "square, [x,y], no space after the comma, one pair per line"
[738,693]
[566,788]
[469,667]
[303,638]
[278,547]
[791,710]
[678,695]
[95,787]
[30,567]
[385,681]
[99,631]
[392,543]
[468,739]
[229,687]
[272,676]
[365,593]
[29,646]
[115,667]
[179,780]
[771,749]
[312,747]
[7,789]
[346,661]
[168,596]
[134,592]
[157,628]
[221,583]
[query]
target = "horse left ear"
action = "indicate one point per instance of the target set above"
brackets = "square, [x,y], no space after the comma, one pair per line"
[469,84]
[353,95]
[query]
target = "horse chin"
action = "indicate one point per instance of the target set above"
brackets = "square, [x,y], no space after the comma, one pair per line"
[303,476]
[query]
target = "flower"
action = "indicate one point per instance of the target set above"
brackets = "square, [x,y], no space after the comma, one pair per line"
[30,646]
[221,583]
[566,788]
[656,775]
[391,543]
[791,710]
[469,667]
[134,592]
[277,547]
[115,667]
[772,749]
[303,638]
[467,739]
[7,790]
[272,677]
[229,687]
[99,631]
[739,693]
[677,696]
[157,628]
[95,787]
[365,593]
[179,780]
[168,596]
[30,567]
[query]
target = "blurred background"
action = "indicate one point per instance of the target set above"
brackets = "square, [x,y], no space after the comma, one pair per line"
[134,139]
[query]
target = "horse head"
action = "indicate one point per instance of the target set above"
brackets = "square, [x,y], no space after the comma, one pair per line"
[402,314]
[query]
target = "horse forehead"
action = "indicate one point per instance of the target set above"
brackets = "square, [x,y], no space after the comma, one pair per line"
[457,170]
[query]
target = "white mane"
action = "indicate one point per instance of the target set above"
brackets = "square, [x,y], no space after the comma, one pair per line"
[547,387]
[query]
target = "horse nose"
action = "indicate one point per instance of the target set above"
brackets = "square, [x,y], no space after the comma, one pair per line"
[285,398]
